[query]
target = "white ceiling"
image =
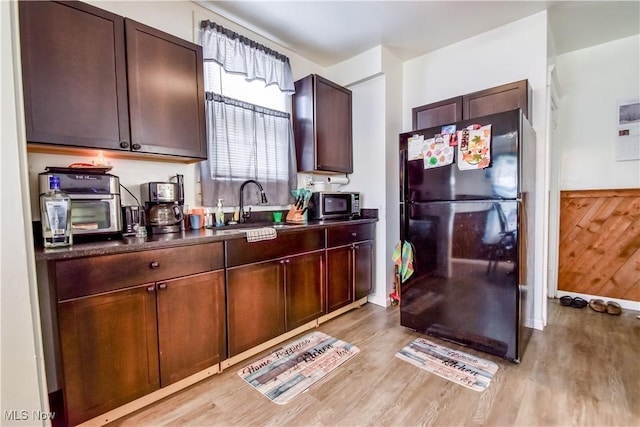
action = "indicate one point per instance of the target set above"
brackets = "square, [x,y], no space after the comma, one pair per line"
[328,32]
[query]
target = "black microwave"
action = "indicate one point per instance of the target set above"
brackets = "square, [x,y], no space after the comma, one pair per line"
[334,205]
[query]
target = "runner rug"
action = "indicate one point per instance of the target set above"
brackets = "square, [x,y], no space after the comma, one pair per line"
[465,369]
[296,366]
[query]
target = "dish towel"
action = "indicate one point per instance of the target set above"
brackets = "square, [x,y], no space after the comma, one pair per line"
[258,234]
[403,257]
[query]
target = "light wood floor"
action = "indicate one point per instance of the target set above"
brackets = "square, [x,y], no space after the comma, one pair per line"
[583,370]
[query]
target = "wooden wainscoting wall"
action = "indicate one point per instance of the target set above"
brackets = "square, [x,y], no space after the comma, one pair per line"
[600,243]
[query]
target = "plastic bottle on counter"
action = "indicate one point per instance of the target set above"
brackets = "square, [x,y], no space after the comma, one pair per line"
[219,214]
[55,215]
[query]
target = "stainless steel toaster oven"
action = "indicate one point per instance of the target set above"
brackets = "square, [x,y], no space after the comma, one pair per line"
[95,200]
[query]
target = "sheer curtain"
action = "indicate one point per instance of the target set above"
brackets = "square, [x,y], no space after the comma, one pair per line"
[246,140]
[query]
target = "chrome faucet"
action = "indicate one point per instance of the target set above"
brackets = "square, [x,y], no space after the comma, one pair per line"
[263,198]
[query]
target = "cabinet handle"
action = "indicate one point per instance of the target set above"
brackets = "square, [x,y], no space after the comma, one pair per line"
[162,286]
[282,261]
[124,144]
[154,264]
[151,288]
[136,146]
[354,234]
[287,261]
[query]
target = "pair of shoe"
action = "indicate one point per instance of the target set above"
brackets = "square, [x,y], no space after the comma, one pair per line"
[610,307]
[576,302]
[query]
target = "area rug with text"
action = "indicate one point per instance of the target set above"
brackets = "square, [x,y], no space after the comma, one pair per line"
[296,366]
[462,368]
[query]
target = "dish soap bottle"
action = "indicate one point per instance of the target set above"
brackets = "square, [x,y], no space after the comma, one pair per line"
[219,214]
[55,215]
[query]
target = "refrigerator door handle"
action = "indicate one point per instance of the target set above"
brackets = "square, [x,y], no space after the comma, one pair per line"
[403,183]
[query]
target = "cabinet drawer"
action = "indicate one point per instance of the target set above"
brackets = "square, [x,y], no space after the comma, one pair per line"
[240,251]
[343,235]
[92,275]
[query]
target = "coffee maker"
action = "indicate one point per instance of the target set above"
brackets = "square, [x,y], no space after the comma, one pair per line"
[164,205]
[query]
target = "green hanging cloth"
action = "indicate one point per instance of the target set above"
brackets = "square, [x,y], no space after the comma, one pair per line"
[403,258]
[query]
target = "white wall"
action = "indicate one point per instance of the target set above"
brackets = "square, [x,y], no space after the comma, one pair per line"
[22,367]
[515,51]
[392,67]
[368,160]
[375,78]
[592,81]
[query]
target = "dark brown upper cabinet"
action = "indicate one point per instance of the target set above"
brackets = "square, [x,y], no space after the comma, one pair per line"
[322,127]
[477,104]
[437,113]
[498,99]
[166,93]
[93,79]
[74,75]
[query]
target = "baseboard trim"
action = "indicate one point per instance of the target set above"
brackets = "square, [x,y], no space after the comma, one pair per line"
[342,310]
[150,398]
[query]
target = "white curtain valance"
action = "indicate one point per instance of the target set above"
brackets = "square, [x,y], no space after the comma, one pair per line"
[238,54]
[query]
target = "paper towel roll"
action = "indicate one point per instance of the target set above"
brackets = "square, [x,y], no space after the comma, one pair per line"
[338,179]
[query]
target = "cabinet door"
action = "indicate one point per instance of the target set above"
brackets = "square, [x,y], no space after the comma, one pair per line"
[322,125]
[498,99]
[191,325]
[166,93]
[363,261]
[109,348]
[437,114]
[304,290]
[333,127]
[339,278]
[255,305]
[74,75]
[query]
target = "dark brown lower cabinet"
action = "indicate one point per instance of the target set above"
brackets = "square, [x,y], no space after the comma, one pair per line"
[191,325]
[349,274]
[340,278]
[255,305]
[118,346]
[268,298]
[109,350]
[363,268]
[304,291]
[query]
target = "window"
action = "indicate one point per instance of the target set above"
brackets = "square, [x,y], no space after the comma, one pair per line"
[237,87]
[249,131]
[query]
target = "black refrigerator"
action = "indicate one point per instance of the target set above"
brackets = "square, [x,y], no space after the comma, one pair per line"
[471,234]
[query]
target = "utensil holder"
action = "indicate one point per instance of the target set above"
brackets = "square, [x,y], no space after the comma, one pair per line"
[297,215]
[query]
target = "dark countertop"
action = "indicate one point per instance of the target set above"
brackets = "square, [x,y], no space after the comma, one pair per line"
[189,237]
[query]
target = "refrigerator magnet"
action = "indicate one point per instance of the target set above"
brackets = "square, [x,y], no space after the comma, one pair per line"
[415,147]
[448,130]
[450,135]
[437,152]
[474,149]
